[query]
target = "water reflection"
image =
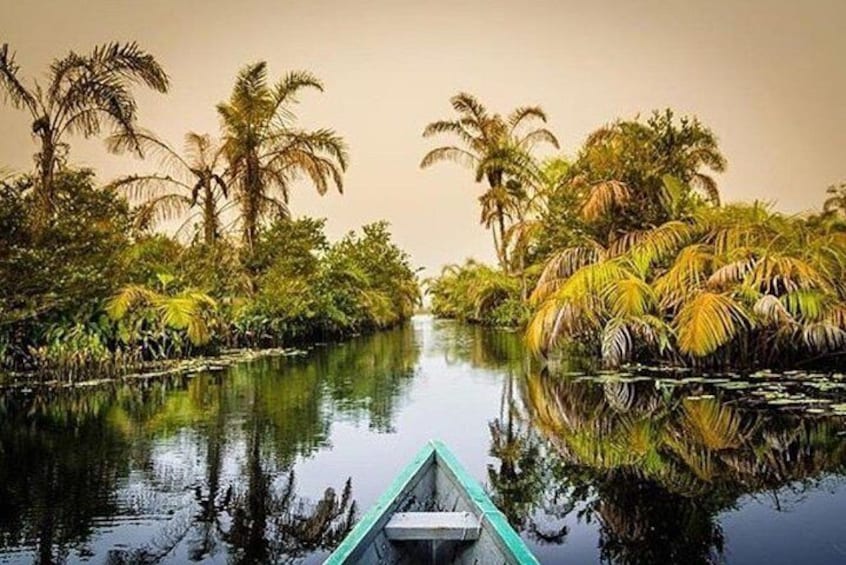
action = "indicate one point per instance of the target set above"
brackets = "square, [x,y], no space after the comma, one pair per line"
[192,468]
[656,466]
[267,461]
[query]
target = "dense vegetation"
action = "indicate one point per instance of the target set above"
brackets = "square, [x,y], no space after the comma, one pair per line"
[632,256]
[87,286]
[625,249]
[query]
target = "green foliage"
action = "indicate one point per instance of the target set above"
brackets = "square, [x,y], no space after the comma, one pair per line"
[630,176]
[474,292]
[732,284]
[58,273]
[81,299]
[162,320]
[305,286]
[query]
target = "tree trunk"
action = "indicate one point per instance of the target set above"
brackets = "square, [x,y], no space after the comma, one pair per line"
[495,181]
[502,242]
[44,197]
[251,197]
[209,214]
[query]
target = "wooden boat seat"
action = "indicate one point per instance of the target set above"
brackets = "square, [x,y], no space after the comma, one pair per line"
[453,526]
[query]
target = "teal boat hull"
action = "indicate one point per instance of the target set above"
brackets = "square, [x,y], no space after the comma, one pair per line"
[433,482]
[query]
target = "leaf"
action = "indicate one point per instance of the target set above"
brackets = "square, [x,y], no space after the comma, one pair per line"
[672,194]
[603,197]
[708,321]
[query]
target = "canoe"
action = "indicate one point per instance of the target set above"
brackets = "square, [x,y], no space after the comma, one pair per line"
[434,512]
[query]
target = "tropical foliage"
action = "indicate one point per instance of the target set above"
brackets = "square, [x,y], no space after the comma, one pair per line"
[199,183]
[497,149]
[89,288]
[309,287]
[477,293]
[728,285]
[633,258]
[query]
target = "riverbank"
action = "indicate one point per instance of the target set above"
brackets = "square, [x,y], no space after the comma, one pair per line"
[152,370]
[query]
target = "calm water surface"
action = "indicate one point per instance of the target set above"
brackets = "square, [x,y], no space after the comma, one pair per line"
[271,461]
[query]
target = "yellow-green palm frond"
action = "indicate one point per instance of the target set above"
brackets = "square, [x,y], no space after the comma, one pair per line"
[687,274]
[629,296]
[575,306]
[665,240]
[127,298]
[806,305]
[562,265]
[707,321]
[557,319]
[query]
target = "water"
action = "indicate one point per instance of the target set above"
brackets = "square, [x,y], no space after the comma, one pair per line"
[251,464]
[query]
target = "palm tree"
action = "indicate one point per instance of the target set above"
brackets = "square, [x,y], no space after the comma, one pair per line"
[498,149]
[83,94]
[266,153]
[198,181]
[631,175]
[732,282]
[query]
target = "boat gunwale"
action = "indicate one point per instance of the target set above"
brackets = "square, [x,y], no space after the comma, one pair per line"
[355,540]
[492,519]
[434,452]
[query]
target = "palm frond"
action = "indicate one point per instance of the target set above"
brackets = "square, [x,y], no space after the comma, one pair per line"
[708,321]
[465,103]
[562,265]
[285,91]
[454,154]
[13,89]
[603,197]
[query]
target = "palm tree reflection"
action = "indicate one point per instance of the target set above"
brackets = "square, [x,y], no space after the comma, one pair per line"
[653,467]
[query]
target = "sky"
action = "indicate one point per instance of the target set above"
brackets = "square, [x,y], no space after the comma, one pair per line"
[767,76]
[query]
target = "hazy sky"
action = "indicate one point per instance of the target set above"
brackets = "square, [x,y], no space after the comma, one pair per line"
[769,77]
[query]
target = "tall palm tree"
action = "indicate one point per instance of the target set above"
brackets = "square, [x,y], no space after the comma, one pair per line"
[83,94]
[198,181]
[266,152]
[498,149]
